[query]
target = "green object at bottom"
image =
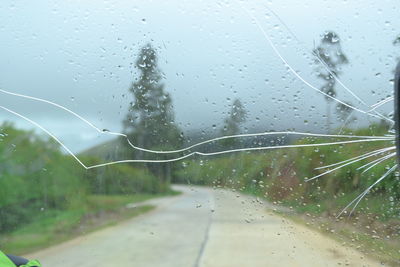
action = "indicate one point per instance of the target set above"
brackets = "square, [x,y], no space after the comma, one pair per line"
[5,261]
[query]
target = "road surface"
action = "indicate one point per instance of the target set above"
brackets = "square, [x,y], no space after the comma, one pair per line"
[206,228]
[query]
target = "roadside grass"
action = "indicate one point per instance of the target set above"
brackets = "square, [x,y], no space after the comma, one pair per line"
[377,204]
[56,226]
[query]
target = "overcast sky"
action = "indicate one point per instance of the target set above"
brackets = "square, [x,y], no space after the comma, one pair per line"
[79,54]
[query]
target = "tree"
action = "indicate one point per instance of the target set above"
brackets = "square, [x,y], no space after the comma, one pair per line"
[150,120]
[237,116]
[331,58]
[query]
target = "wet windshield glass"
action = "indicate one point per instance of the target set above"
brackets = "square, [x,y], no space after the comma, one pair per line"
[199,133]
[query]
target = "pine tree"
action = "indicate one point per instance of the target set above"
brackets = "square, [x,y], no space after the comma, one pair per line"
[150,120]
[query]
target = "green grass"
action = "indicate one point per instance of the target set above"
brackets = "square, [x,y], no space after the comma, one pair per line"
[376,205]
[55,226]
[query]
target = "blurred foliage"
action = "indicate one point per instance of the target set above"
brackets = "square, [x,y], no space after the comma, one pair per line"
[35,177]
[122,179]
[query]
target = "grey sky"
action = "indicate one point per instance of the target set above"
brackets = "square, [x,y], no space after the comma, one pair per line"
[80,54]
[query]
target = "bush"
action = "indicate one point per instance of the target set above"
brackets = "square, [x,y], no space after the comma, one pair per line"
[34,175]
[122,179]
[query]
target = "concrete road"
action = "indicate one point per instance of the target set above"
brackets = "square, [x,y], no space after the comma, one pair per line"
[207,228]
